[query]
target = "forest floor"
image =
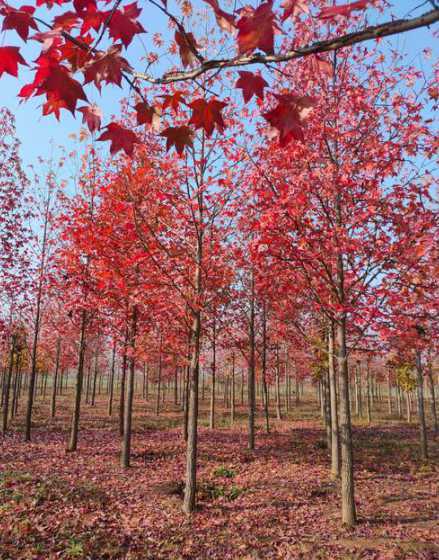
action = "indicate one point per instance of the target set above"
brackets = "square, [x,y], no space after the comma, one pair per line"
[276,502]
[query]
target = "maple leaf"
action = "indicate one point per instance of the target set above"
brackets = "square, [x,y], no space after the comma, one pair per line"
[256,29]
[187,47]
[207,114]
[224,20]
[53,105]
[107,67]
[178,136]
[56,82]
[123,24]
[291,7]
[10,58]
[251,84]
[121,138]
[289,115]
[20,20]
[65,21]
[91,19]
[91,115]
[77,57]
[146,114]
[173,100]
[343,10]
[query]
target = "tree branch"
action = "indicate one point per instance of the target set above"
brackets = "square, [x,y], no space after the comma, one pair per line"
[372,32]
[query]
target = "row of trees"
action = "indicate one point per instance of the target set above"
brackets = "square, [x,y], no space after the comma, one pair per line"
[291,261]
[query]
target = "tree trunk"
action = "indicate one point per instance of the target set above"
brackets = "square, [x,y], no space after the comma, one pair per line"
[73,443]
[369,394]
[251,368]
[111,384]
[159,380]
[122,384]
[213,382]
[421,412]
[278,409]
[432,399]
[7,387]
[126,441]
[189,501]
[176,386]
[55,379]
[335,439]
[389,393]
[264,367]
[95,374]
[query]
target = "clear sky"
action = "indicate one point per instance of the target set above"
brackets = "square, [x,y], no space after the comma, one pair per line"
[38,133]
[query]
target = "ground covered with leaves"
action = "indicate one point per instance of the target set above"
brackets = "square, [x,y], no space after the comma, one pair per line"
[276,502]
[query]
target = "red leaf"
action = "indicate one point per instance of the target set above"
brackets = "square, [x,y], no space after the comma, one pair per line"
[91,19]
[173,101]
[187,47]
[343,10]
[288,116]
[107,67]
[10,58]
[21,20]
[147,114]
[65,21]
[123,24]
[207,114]
[256,29]
[224,20]
[92,115]
[59,85]
[251,84]
[120,137]
[178,136]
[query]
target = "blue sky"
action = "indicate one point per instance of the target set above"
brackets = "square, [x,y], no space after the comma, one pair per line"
[38,134]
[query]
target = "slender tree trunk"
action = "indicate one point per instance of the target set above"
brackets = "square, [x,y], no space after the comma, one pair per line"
[189,501]
[408,407]
[335,439]
[421,412]
[73,443]
[159,379]
[55,379]
[111,384]
[369,394]
[327,410]
[264,366]
[126,440]
[278,409]
[389,393]
[398,401]
[213,380]
[176,386]
[122,384]
[7,387]
[432,399]
[347,466]
[95,374]
[251,368]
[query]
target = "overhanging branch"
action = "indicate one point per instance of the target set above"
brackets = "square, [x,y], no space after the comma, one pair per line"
[373,32]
